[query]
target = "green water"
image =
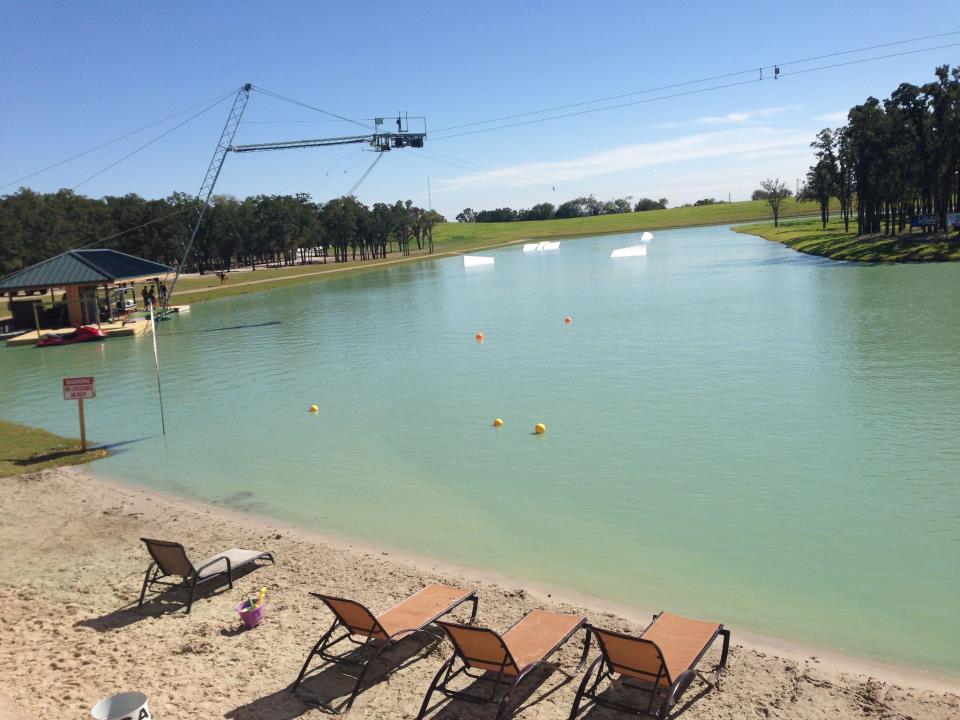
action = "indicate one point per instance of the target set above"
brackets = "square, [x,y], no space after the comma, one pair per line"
[735,431]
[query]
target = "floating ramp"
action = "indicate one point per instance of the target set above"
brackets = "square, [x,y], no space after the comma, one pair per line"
[632,251]
[541,246]
[476,260]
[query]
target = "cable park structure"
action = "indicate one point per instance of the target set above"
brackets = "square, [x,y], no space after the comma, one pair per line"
[377,138]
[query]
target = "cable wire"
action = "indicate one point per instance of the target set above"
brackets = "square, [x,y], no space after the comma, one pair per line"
[708,79]
[781,75]
[114,140]
[314,173]
[148,143]
[365,174]
[137,227]
[312,107]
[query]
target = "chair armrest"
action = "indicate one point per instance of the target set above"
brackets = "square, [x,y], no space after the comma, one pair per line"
[222,558]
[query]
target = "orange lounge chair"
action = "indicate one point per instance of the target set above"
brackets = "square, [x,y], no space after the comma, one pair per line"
[411,616]
[506,659]
[170,559]
[660,661]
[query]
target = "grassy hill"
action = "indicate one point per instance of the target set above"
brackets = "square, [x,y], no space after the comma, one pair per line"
[809,236]
[466,235]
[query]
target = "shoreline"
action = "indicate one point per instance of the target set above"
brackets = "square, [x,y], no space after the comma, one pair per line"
[809,237]
[71,579]
[192,296]
[635,613]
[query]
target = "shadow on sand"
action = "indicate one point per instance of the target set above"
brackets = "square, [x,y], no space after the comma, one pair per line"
[444,708]
[330,685]
[166,602]
[638,698]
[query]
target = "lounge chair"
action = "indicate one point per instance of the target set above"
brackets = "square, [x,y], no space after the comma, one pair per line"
[505,659]
[411,616]
[170,558]
[661,661]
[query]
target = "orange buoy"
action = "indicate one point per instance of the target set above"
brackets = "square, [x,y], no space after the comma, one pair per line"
[539,428]
[479,336]
[567,320]
[497,422]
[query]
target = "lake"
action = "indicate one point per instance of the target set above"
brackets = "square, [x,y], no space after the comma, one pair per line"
[734,430]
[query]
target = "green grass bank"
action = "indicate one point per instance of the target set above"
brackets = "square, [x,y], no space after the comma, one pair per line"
[809,236]
[24,449]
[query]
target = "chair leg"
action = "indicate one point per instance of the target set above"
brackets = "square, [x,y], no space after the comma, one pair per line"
[193,589]
[316,649]
[146,582]
[726,648]
[445,668]
[583,687]
[363,674]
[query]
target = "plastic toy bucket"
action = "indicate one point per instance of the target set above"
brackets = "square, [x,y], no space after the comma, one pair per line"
[123,706]
[251,617]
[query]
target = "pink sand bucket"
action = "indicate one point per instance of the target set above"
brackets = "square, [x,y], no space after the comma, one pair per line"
[125,706]
[251,610]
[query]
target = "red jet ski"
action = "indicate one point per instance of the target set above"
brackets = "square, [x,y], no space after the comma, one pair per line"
[84,333]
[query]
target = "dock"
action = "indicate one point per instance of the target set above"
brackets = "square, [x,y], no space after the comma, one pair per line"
[111,329]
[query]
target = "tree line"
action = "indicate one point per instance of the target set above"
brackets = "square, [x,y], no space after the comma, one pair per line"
[259,230]
[899,159]
[578,207]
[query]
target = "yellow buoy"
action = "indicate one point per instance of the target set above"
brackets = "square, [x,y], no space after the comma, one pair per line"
[567,320]
[479,336]
[314,409]
[539,428]
[498,422]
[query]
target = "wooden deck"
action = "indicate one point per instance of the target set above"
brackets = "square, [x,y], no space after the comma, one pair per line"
[139,326]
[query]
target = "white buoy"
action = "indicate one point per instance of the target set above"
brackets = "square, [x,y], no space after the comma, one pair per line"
[632,251]
[476,260]
[646,237]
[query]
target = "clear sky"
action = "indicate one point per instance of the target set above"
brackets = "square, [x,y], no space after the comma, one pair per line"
[79,74]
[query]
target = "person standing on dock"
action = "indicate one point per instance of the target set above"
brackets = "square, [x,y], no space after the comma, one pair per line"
[163,294]
[146,297]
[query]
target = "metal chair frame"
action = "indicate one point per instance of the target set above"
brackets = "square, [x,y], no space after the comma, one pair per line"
[381,645]
[155,574]
[605,671]
[447,674]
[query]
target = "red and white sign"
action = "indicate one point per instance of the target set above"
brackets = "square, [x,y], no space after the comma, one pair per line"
[78,388]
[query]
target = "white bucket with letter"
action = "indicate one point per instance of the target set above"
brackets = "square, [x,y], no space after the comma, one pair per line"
[124,706]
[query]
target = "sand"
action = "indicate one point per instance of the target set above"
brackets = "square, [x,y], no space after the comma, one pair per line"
[70,572]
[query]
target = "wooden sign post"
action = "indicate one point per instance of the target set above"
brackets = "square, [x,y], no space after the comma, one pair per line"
[80,388]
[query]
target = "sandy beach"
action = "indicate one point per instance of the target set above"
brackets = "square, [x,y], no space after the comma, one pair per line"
[70,575]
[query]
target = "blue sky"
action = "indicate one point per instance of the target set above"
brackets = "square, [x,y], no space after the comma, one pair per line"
[79,74]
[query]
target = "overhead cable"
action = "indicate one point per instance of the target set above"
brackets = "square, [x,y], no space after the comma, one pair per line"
[278,96]
[116,139]
[759,78]
[148,143]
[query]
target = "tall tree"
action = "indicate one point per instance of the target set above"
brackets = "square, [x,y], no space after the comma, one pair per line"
[777,192]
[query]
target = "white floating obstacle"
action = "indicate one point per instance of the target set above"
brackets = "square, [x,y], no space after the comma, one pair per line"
[632,251]
[646,237]
[476,260]
[541,246]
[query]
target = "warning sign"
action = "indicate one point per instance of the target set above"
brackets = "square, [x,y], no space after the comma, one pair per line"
[78,388]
